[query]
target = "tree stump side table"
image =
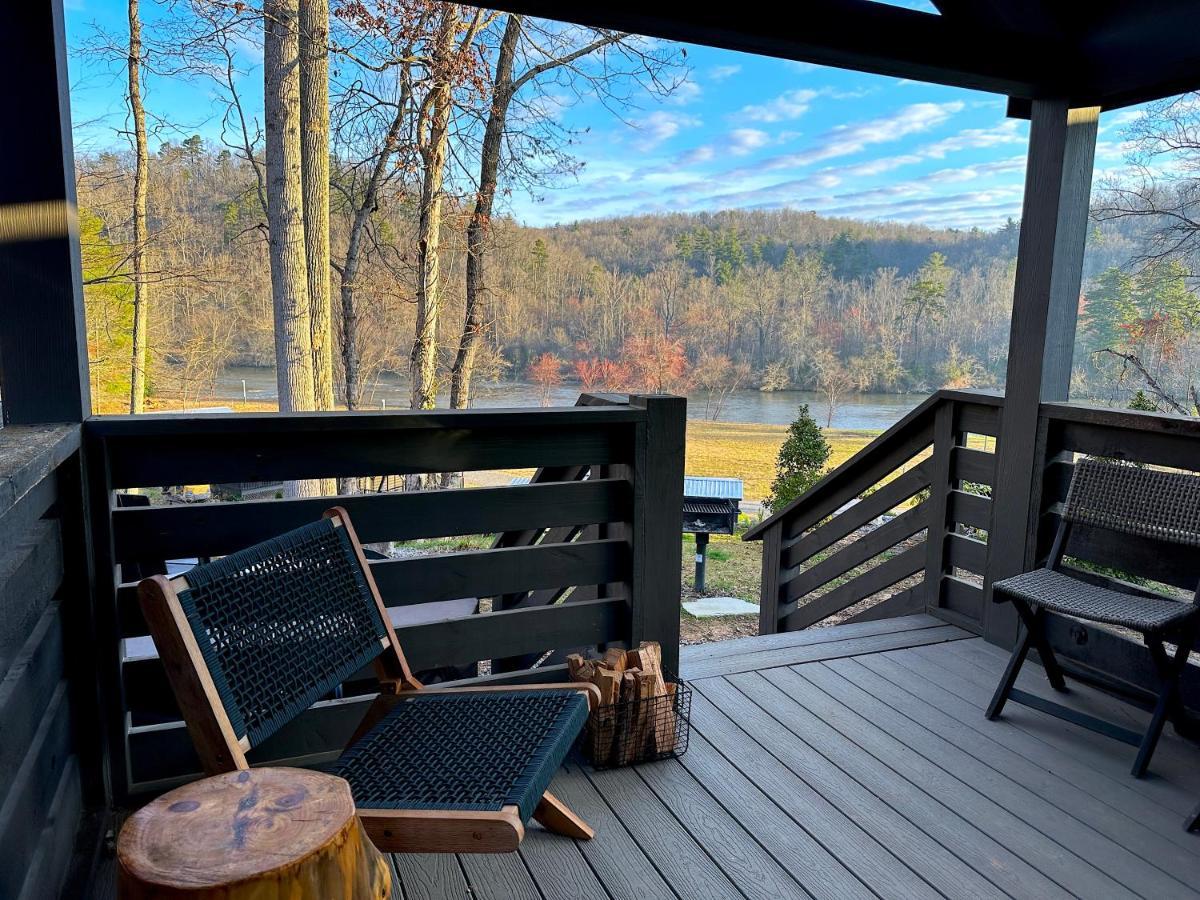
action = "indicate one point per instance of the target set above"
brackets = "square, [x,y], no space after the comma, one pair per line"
[266,834]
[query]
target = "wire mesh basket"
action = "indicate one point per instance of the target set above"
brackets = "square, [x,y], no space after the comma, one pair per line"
[641,730]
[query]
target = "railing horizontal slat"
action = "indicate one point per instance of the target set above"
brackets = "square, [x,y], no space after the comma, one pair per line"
[975,418]
[215,529]
[970,509]
[962,597]
[870,472]
[349,446]
[1142,557]
[870,507]
[882,576]
[967,553]
[449,642]
[473,573]
[1174,448]
[973,465]
[515,631]
[858,552]
[489,573]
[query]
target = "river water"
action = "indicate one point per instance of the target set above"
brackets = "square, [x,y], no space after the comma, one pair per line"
[870,412]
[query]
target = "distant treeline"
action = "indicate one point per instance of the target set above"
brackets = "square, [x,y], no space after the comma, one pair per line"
[666,302]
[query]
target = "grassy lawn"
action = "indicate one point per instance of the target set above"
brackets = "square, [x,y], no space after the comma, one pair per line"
[748,451]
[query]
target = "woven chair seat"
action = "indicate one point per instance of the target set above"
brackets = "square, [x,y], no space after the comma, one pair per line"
[1061,593]
[461,751]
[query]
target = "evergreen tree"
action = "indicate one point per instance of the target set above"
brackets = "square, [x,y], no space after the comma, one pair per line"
[1142,403]
[801,461]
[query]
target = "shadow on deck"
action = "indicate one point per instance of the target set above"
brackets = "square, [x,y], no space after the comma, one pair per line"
[855,761]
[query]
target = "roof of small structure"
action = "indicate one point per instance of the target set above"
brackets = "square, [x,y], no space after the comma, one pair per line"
[712,488]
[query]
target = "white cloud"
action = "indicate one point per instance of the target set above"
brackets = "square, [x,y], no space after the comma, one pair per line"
[1010,131]
[720,73]
[745,140]
[787,106]
[846,140]
[660,126]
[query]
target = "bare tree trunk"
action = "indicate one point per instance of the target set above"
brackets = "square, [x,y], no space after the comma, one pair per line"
[285,210]
[141,290]
[314,153]
[479,228]
[434,145]
[354,248]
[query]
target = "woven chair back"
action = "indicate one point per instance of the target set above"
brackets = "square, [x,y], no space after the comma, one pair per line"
[1148,503]
[282,624]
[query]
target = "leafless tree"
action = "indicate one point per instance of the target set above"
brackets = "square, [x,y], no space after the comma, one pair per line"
[285,205]
[1161,186]
[528,51]
[314,152]
[141,175]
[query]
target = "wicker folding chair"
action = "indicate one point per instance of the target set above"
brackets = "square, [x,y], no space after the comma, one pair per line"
[1160,506]
[252,640]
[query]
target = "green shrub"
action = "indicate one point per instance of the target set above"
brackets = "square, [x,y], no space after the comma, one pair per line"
[801,461]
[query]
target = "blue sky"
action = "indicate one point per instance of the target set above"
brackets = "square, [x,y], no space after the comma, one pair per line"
[742,132]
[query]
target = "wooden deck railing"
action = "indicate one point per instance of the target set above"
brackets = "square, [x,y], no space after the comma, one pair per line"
[934,470]
[822,554]
[614,535]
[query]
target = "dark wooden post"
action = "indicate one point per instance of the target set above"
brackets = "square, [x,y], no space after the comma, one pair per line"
[43,347]
[657,523]
[701,559]
[944,440]
[768,599]
[1058,182]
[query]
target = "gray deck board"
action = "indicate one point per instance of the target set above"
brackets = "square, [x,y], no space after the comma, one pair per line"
[884,872]
[798,850]
[1058,829]
[737,646]
[684,862]
[1075,786]
[939,866]
[803,653]
[1167,782]
[855,762]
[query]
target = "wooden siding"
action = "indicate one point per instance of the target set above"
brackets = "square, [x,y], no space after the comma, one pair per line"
[41,787]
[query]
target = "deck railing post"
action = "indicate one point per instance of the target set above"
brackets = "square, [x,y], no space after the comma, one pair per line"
[772,561]
[656,534]
[944,439]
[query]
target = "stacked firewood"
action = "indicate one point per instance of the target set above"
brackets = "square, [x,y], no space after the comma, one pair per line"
[636,717]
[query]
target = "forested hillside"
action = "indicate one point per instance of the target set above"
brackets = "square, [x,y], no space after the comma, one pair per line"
[770,300]
[353,221]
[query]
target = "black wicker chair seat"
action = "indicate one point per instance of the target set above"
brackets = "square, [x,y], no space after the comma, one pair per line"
[464,751]
[1061,593]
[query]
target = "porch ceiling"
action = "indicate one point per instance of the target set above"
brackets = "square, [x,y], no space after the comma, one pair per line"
[1113,54]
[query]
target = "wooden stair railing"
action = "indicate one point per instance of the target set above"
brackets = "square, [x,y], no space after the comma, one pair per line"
[822,555]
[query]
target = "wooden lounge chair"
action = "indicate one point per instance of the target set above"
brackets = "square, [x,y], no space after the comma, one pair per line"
[252,640]
[1147,506]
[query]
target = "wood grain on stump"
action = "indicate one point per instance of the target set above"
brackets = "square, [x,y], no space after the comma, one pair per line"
[266,834]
